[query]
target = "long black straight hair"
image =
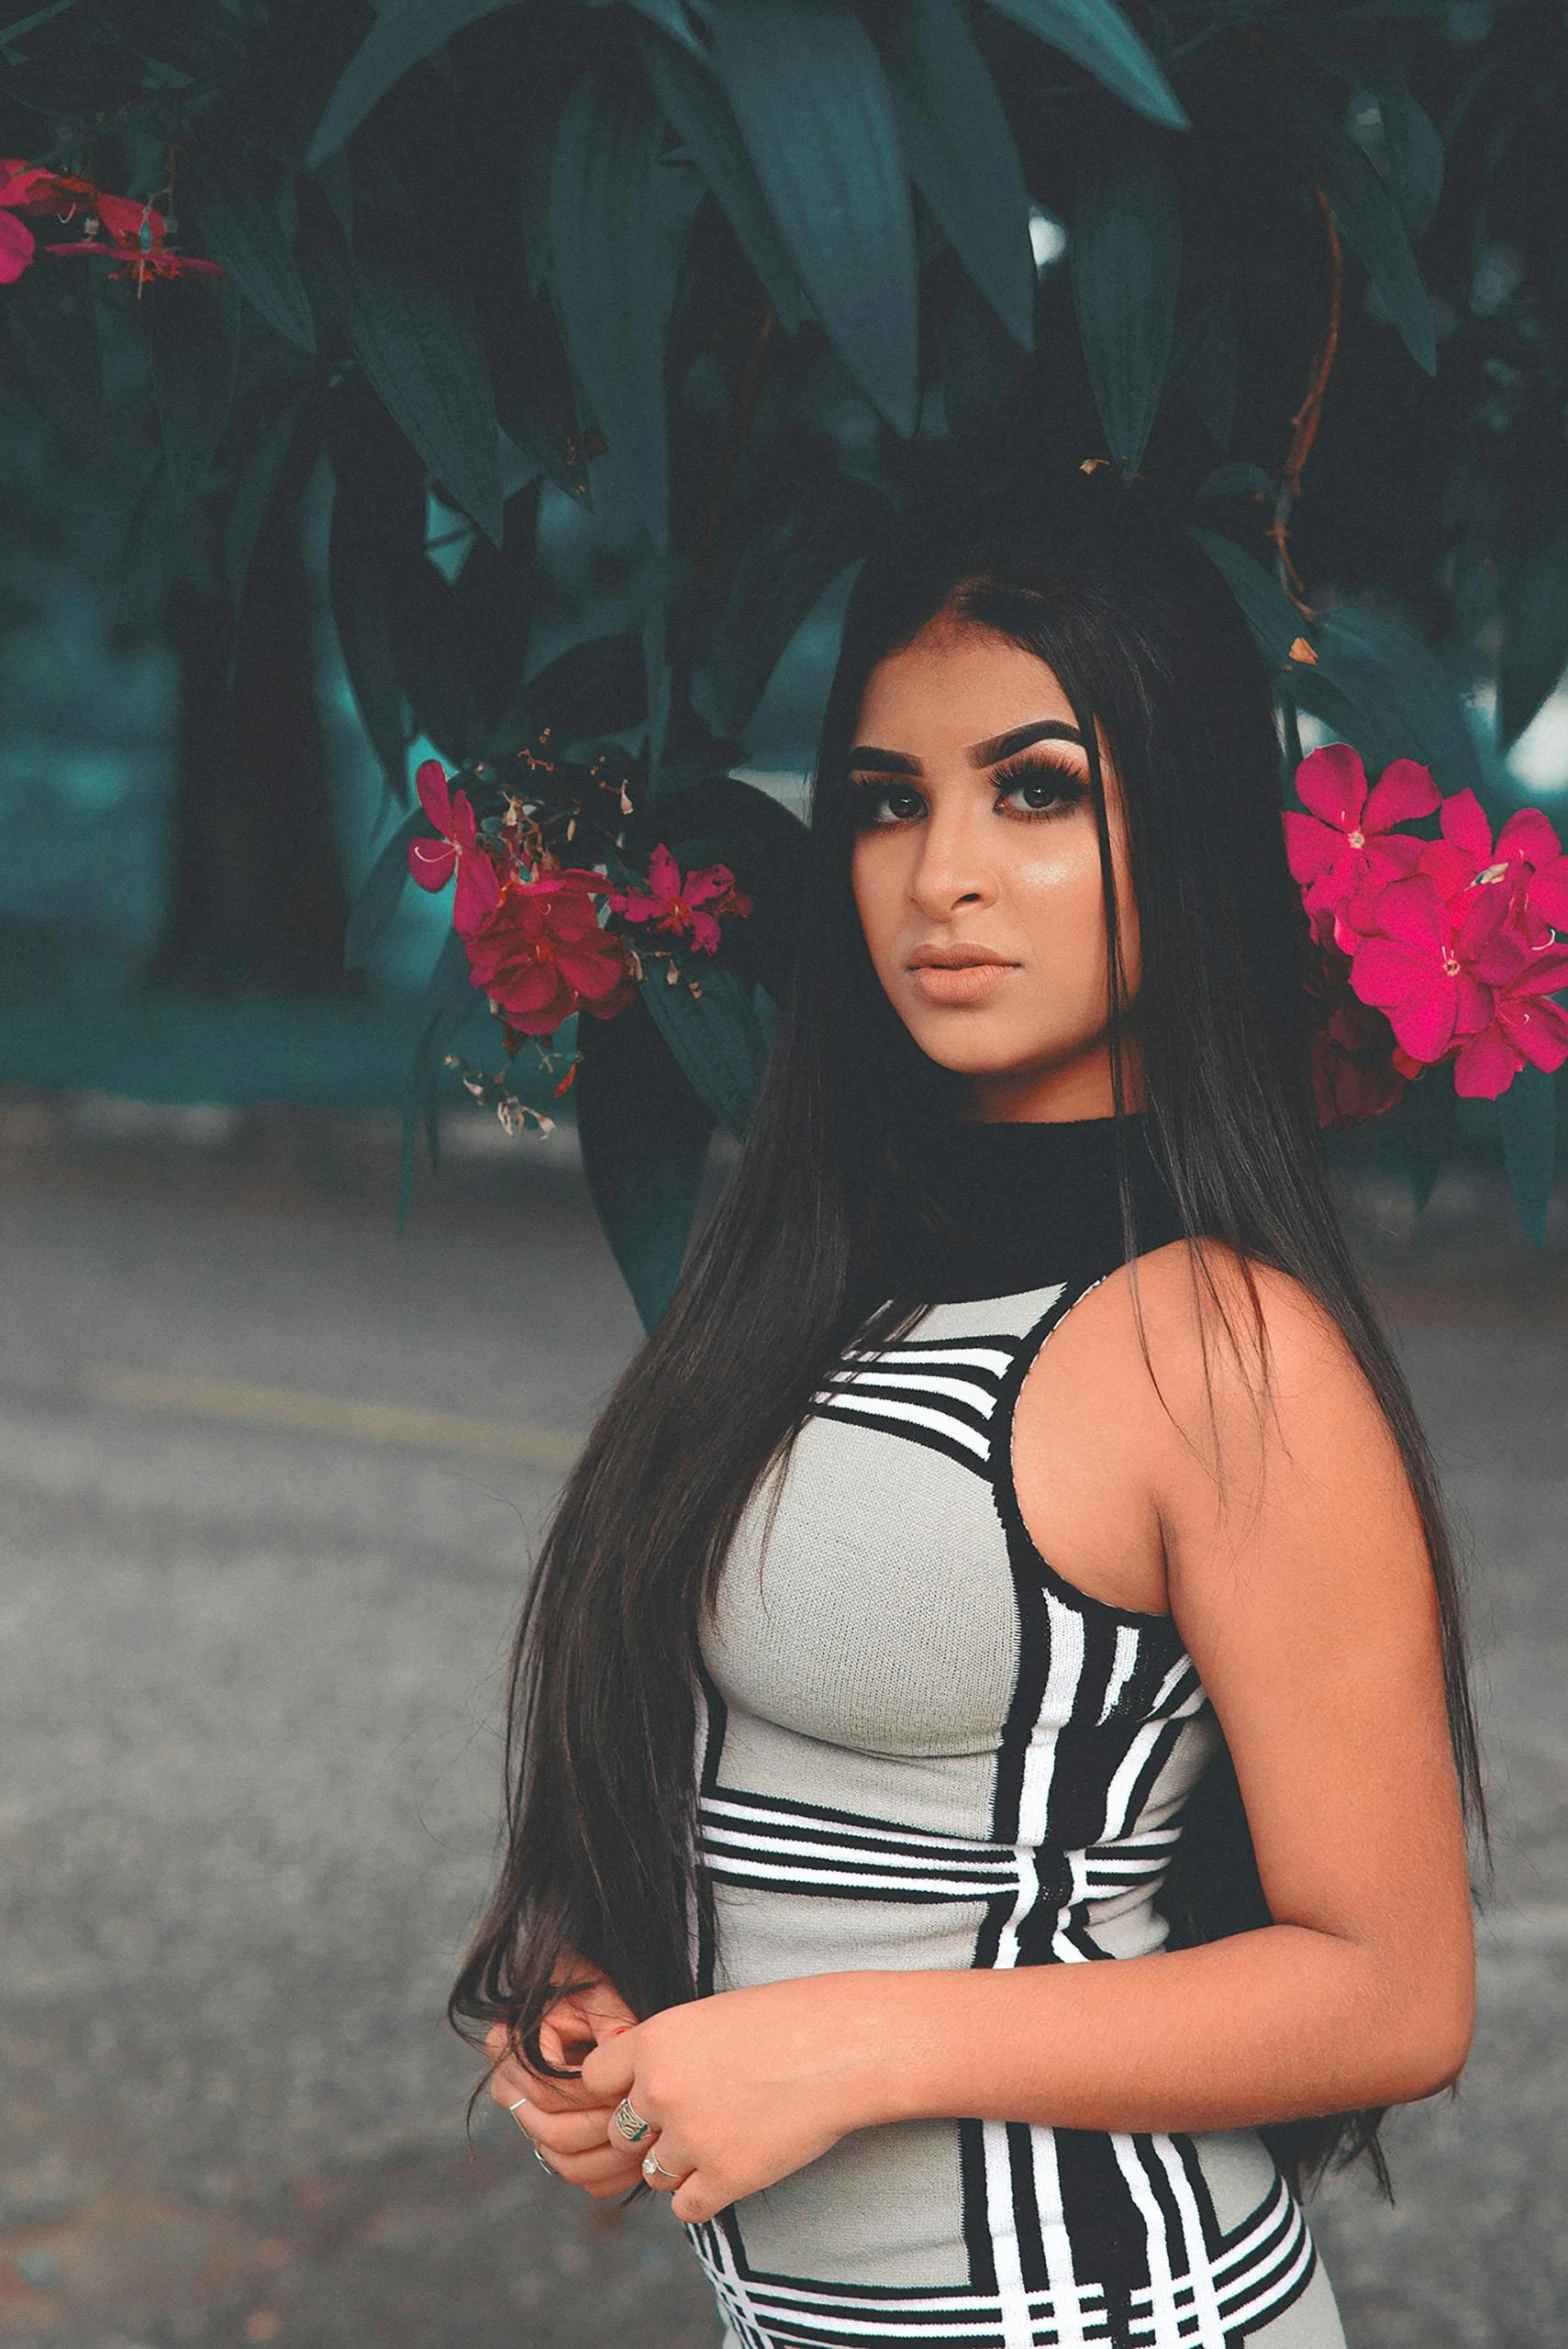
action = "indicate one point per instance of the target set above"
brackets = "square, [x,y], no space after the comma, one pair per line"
[1144,638]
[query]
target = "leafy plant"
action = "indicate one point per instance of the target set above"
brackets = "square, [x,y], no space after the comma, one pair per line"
[619,326]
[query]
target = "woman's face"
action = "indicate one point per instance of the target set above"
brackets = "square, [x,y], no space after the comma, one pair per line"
[976,872]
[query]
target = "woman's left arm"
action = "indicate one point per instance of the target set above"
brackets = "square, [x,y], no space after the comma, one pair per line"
[1300,1583]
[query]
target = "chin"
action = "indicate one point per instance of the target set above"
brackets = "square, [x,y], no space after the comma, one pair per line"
[968,1051]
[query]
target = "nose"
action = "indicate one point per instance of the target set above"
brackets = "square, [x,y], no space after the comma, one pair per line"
[952,868]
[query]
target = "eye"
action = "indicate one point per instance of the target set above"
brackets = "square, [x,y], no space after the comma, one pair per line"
[879,805]
[1040,788]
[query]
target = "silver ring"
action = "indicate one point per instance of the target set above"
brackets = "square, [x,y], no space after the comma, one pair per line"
[629,2122]
[653,2167]
[544,2165]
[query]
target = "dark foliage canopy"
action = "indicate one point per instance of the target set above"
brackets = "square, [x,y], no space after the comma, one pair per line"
[618,329]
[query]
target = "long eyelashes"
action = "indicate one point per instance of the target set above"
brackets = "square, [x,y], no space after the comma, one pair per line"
[1061,789]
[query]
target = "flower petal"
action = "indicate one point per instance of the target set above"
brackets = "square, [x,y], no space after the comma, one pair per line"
[1538,1031]
[664,873]
[1412,912]
[478,890]
[1424,1021]
[705,932]
[591,974]
[1310,846]
[1548,893]
[1529,834]
[1485,1065]
[1465,826]
[434,797]
[16,247]
[1383,973]
[1402,791]
[465,824]
[1332,782]
[712,881]
[430,862]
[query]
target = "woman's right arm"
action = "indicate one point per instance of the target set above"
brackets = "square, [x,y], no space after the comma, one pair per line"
[569,2133]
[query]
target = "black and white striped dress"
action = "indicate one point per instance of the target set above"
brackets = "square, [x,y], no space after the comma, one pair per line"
[924,1748]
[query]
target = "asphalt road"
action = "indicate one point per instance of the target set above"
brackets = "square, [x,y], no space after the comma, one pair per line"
[253,1605]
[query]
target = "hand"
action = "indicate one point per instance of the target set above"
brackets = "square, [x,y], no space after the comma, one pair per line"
[748,2086]
[561,2118]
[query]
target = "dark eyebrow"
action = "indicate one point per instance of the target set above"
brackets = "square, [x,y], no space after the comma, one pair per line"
[866,758]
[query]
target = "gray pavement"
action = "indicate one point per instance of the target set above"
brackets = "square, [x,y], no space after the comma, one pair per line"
[249,1675]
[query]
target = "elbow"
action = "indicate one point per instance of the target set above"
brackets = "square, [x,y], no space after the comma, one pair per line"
[1434,2047]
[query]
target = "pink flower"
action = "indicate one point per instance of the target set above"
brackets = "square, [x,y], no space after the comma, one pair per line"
[135,236]
[1429,963]
[1526,859]
[433,862]
[540,954]
[693,907]
[1344,846]
[1525,1025]
[1358,1070]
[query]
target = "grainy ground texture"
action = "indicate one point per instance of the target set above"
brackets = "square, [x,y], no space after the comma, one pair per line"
[253,1601]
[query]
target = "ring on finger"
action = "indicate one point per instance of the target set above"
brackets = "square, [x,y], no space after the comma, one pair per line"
[628,2121]
[544,2165]
[653,2168]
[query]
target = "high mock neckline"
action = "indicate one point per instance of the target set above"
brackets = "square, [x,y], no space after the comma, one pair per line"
[996,1207]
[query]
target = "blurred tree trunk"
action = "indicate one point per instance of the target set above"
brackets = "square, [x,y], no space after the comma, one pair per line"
[258,899]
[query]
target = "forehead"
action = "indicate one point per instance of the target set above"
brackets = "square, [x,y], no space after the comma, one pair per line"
[953,684]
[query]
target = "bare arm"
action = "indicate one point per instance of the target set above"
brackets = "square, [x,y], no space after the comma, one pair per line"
[1300,1584]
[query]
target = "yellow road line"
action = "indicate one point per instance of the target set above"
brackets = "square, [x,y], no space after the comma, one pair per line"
[335,1415]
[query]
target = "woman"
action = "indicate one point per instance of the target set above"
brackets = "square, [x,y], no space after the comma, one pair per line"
[1014,1550]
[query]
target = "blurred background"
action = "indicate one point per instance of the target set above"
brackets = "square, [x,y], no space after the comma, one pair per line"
[271,1466]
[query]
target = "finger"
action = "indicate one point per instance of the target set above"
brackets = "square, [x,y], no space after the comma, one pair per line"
[608,2072]
[695,2200]
[598,2172]
[665,2170]
[571,2132]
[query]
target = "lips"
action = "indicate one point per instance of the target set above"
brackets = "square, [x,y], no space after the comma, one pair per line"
[957,958]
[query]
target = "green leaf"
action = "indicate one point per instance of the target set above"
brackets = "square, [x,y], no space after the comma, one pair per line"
[1237,481]
[1415,160]
[254,492]
[238,228]
[445,1009]
[1124,247]
[593,689]
[419,345]
[1096,35]
[1205,369]
[780,578]
[1369,221]
[1535,630]
[378,526]
[817,116]
[705,123]
[1267,609]
[193,326]
[404,33]
[55,327]
[612,278]
[715,1034]
[644,1135]
[1405,702]
[424,619]
[962,153]
[671,18]
[1527,1120]
[380,893]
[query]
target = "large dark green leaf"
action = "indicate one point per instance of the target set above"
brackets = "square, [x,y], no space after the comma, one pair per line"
[595,688]
[1535,630]
[1267,609]
[238,227]
[381,893]
[378,527]
[447,1006]
[193,326]
[420,347]
[644,1136]
[425,622]
[1369,221]
[1204,367]
[704,120]
[254,492]
[1527,1120]
[1401,693]
[780,578]
[714,1033]
[1125,252]
[1096,35]
[817,116]
[962,153]
[54,326]
[404,32]
[612,277]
